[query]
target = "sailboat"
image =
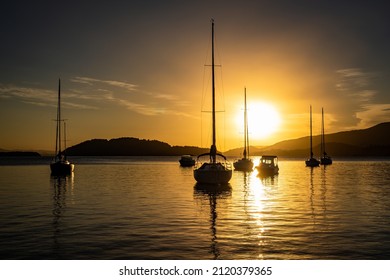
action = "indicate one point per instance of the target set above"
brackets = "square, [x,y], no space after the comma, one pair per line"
[311,162]
[217,170]
[325,159]
[245,163]
[60,165]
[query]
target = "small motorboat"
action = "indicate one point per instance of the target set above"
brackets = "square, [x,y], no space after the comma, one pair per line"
[268,165]
[187,161]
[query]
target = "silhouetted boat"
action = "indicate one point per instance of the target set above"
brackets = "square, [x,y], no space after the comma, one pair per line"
[60,165]
[311,162]
[268,165]
[217,170]
[245,163]
[325,158]
[187,160]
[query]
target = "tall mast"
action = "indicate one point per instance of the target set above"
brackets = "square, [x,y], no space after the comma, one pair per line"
[213,151]
[323,134]
[246,146]
[311,141]
[247,127]
[58,120]
[64,135]
[59,115]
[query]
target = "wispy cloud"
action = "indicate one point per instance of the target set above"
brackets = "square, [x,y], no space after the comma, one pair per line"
[352,78]
[94,94]
[25,93]
[356,84]
[373,114]
[358,93]
[39,97]
[112,91]
[137,107]
[91,81]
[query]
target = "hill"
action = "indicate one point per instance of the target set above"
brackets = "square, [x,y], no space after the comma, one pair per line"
[373,141]
[238,151]
[4,153]
[129,146]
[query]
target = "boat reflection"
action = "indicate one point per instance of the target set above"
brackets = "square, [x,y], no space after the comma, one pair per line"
[268,179]
[318,200]
[324,191]
[62,186]
[213,193]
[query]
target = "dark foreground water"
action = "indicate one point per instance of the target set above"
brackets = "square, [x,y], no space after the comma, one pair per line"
[151,208]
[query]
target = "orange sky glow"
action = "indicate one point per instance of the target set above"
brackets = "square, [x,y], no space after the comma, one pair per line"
[139,71]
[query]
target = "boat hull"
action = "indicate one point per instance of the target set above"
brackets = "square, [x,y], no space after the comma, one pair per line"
[268,165]
[186,161]
[326,161]
[243,164]
[213,173]
[312,162]
[267,170]
[61,168]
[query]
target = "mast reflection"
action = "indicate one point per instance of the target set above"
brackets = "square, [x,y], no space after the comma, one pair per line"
[61,186]
[213,193]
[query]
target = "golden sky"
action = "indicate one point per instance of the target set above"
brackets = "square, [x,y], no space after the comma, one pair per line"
[137,69]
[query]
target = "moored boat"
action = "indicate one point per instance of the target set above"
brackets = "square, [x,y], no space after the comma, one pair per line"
[311,162]
[268,165]
[325,158]
[187,161]
[60,165]
[245,163]
[215,171]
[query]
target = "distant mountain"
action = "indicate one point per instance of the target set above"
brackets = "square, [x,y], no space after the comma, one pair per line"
[130,147]
[373,141]
[4,153]
[238,151]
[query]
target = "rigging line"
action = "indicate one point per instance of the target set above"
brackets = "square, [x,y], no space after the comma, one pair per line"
[201,114]
[207,59]
[203,89]
[223,91]
[205,100]
[207,135]
[201,129]
[224,132]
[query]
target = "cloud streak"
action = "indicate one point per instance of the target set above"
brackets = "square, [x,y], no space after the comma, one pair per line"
[373,114]
[109,90]
[96,94]
[37,97]
[91,81]
[358,93]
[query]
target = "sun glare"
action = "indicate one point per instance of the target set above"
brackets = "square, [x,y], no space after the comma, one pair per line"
[263,120]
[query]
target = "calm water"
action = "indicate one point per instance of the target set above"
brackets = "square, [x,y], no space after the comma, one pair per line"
[135,208]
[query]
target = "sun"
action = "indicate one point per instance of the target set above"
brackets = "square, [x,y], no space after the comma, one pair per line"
[263,120]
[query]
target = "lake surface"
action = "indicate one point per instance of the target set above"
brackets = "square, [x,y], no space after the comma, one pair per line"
[151,208]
